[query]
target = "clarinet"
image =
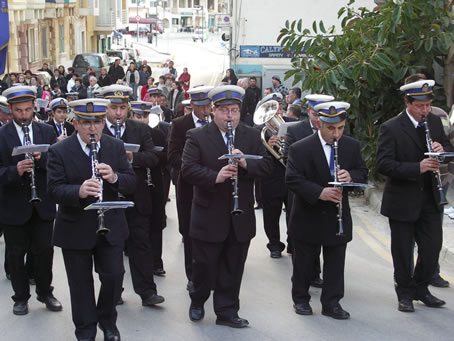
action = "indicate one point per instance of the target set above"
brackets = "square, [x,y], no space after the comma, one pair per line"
[149,180]
[234,162]
[437,174]
[102,229]
[340,232]
[118,130]
[34,194]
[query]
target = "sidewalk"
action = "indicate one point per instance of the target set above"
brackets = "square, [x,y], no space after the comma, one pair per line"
[374,198]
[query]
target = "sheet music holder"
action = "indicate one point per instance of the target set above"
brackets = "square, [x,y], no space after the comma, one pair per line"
[349,184]
[35,148]
[156,110]
[284,127]
[109,205]
[440,155]
[132,147]
[41,103]
[240,156]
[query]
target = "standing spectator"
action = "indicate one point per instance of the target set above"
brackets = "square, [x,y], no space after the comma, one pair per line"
[79,88]
[267,91]
[57,80]
[144,75]
[185,78]
[163,85]
[46,68]
[37,87]
[294,96]
[116,71]
[132,79]
[28,76]
[278,87]
[86,76]
[21,79]
[69,75]
[104,79]
[12,79]
[250,100]
[71,82]
[92,87]
[165,69]
[145,63]
[62,71]
[230,77]
[144,96]
[46,93]
[172,70]
[175,97]
[56,92]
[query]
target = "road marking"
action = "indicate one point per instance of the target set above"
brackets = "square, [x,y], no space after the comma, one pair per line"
[373,244]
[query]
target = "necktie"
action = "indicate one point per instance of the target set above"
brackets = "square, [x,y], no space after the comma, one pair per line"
[202,122]
[90,153]
[59,129]
[227,140]
[420,125]
[314,130]
[114,129]
[331,161]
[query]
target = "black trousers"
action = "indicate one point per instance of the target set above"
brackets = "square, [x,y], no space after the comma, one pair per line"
[87,312]
[140,253]
[34,237]
[428,235]
[333,272]
[272,208]
[184,221]
[219,267]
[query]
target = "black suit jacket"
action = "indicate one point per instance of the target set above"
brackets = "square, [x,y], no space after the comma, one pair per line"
[296,132]
[177,139]
[212,203]
[68,167]
[399,152]
[69,127]
[15,190]
[139,133]
[313,220]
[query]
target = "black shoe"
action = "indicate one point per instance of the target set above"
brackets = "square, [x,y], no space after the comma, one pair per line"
[120,301]
[20,308]
[31,281]
[190,287]
[51,303]
[234,322]
[152,300]
[275,254]
[406,305]
[196,313]
[317,282]
[110,335]
[431,301]
[439,282]
[159,272]
[302,308]
[336,312]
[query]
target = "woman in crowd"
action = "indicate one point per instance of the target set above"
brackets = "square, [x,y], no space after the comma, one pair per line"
[185,79]
[230,77]
[144,96]
[132,79]
[175,99]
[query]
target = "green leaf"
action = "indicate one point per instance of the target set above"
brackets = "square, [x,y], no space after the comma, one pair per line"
[384,59]
[314,26]
[287,24]
[428,44]
[322,27]
[300,25]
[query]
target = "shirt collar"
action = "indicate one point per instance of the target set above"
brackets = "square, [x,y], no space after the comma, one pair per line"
[83,145]
[195,118]
[322,141]
[412,119]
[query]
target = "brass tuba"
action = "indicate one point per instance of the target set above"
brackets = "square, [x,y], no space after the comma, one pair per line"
[267,114]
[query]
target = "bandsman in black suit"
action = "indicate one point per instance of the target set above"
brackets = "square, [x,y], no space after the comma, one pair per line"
[297,132]
[27,225]
[5,114]
[273,188]
[72,185]
[155,181]
[220,240]
[411,200]
[139,242]
[313,221]
[201,114]
[63,128]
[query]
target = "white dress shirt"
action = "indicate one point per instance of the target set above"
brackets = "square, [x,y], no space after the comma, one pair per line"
[196,120]
[326,148]
[21,133]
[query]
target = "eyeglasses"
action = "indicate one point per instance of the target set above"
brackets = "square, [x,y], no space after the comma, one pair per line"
[88,124]
[225,111]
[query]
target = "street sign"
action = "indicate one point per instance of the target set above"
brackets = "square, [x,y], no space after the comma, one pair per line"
[223,20]
[138,18]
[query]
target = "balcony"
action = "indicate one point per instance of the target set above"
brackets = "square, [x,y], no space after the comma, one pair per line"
[90,8]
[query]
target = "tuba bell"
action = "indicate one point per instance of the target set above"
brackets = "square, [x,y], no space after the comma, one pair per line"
[267,114]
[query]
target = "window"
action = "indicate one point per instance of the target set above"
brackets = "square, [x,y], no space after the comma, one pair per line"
[33,45]
[62,38]
[181,5]
[44,41]
[189,3]
[196,3]
[175,3]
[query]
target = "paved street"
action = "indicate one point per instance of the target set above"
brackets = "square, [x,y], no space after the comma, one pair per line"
[265,298]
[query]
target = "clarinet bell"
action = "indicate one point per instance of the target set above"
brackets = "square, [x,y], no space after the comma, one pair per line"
[102,231]
[340,232]
[443,200]
[236,211]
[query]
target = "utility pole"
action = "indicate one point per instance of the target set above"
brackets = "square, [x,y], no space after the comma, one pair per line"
[137,17]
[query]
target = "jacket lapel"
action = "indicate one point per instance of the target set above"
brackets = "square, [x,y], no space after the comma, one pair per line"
[410,130]
[322,163]
[13,137]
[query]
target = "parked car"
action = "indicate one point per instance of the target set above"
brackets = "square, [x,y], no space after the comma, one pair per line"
[133,55]
[94,60]
[122,54]
[199,34]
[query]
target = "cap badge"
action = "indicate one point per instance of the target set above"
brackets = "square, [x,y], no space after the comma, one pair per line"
[425,87]
[332,110]
[119,93]
[90,107]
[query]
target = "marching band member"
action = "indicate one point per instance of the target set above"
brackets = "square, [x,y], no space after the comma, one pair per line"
[314,219]
[139,241]
[411,200]
[220,240]
[72,183]
[27,223]
[63,129]
[201,115]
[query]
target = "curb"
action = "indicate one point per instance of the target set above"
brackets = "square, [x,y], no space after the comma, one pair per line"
[151,48]
[373,200]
